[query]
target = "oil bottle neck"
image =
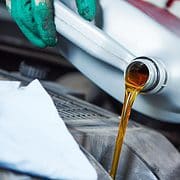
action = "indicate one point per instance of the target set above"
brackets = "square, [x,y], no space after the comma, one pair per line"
[157,77]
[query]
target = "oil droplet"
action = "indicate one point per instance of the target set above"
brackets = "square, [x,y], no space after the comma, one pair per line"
[136,77]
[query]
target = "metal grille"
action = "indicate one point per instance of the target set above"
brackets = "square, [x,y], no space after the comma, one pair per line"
[79,113]
[72,110]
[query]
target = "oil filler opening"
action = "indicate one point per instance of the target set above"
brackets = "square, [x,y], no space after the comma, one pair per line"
[148,73]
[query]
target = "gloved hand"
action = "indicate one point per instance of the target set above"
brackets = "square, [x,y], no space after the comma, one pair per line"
[36,21]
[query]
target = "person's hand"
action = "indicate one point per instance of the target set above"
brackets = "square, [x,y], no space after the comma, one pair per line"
[35,18]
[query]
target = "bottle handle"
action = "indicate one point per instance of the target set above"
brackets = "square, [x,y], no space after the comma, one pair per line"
[90,38]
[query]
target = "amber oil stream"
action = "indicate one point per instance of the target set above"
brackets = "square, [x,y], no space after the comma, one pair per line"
[135,78]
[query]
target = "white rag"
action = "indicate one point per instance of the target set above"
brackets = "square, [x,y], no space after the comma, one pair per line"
[34,139]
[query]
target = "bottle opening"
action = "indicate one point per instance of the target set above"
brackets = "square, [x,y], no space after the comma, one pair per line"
[147,74]
[137,75]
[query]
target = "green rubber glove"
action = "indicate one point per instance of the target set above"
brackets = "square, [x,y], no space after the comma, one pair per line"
[35,18]
[86,8]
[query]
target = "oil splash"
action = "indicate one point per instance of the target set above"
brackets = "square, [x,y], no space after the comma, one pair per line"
[135,79]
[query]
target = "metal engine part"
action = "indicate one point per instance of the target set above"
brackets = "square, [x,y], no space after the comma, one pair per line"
[146,153]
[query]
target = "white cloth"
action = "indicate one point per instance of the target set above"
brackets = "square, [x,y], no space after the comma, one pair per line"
[34,139]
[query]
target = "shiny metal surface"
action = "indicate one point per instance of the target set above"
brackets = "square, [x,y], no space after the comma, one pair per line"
[103,53]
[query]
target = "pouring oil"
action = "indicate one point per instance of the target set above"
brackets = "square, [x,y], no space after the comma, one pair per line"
[135,79]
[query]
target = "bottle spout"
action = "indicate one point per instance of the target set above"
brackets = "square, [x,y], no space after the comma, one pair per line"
[157,75]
